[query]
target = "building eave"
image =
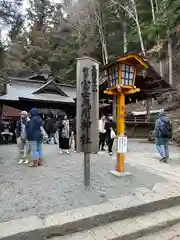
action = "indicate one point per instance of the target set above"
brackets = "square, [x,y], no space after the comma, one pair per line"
[42,88]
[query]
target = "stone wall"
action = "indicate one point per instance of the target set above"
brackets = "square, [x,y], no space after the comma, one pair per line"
[138,130]
[176,130]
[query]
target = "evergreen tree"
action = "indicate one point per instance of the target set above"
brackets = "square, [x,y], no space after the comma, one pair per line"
[58,33]
[10,19]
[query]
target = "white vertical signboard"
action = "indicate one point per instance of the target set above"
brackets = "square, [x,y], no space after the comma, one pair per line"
[122,144]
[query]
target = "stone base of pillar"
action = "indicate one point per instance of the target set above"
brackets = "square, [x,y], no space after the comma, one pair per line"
[120,174]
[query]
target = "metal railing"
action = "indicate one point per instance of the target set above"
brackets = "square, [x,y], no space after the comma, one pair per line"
[139,119]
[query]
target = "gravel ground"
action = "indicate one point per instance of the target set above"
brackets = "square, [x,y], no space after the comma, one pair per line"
[58,185]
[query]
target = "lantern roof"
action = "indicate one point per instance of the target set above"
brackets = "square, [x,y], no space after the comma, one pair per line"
[150,82]
[131,59]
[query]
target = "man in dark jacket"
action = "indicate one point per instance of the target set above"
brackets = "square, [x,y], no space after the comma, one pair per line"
[50,128]
[163,132]
[35,138]
[110,125]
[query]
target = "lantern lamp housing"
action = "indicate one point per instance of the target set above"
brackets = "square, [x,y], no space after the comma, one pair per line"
[121,74]
[127,75]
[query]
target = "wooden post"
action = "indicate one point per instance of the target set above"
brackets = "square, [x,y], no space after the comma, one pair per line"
[86,169]
[87,111]
[120,129]
[114,108]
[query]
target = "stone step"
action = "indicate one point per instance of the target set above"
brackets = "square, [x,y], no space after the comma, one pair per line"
[170,233]
[141,202]
[158,225]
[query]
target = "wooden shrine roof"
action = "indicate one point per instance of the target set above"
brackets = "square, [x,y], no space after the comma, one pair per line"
[38,90]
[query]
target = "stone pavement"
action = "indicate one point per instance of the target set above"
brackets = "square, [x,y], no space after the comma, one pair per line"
[58,186]
[171,233]
[128,217]
[143,156]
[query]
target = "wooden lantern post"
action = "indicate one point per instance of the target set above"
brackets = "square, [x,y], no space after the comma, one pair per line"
[121,82]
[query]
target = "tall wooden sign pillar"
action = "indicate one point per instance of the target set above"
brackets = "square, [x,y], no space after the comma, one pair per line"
[87,110]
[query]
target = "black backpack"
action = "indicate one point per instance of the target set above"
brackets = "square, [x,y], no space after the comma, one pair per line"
[166,130]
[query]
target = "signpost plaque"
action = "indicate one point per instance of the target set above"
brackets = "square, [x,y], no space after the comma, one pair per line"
[87,110]
[122,144]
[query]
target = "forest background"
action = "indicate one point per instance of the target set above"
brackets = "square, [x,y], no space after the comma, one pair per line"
[50,36]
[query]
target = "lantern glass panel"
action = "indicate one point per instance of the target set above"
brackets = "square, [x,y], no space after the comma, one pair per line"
[127,73]
[110,77]
[115,75]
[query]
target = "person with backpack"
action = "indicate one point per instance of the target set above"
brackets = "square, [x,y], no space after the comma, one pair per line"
[163,133]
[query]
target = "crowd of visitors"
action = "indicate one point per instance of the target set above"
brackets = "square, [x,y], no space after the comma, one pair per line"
[162,132]
[32,131]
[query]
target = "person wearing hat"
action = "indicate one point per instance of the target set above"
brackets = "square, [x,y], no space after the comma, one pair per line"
[21,137]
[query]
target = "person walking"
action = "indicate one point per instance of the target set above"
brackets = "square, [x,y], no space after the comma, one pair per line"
[21,137]
[102,133]
[110,127]
[35,137]
[64,133]
[50,128]
[57,122]
[163,132]
[74,132]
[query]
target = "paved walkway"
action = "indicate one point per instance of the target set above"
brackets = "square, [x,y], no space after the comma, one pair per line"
[58,186]
[142,155]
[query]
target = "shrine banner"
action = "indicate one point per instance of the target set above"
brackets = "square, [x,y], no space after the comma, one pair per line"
[87,105]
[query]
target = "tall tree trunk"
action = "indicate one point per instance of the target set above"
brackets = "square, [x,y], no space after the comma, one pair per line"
[154,20]
[153,12]
[103,47]
[170,60]
[125,43]
[98,15]
[139,28]
[161,68]
[135,18]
